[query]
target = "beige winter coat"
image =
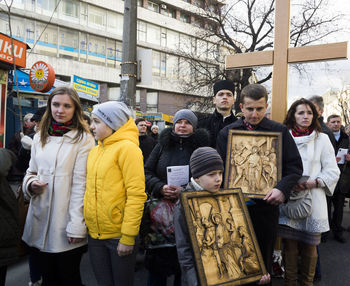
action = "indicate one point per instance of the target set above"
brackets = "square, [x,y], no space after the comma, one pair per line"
[57,213]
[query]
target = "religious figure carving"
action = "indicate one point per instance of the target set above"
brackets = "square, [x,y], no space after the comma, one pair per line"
[254,164]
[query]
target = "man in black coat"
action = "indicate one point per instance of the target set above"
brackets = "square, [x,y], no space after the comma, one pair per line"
[319,105]
[147,143]
[223,100]
[342,141]
[264,212]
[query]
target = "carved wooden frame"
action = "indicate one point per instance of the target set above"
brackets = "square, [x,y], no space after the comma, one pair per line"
[257,184]
[227,209]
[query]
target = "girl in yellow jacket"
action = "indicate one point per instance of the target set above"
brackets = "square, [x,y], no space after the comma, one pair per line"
[115,194]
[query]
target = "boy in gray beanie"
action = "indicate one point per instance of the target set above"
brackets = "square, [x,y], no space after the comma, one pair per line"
[115,114]
[206,167]
[115,194]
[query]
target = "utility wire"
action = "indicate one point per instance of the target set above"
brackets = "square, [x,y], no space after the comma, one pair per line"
[47,24]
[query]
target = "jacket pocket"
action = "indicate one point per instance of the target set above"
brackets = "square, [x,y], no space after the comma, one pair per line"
[116,212]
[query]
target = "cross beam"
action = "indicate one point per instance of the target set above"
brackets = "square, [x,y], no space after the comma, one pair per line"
[282,55]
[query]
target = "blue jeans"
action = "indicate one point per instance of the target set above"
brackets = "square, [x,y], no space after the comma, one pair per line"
[109,268]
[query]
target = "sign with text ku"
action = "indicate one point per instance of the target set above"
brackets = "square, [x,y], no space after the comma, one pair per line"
[89,88]
[19,50]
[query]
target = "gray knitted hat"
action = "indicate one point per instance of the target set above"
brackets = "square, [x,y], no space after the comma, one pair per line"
[204,160]
[188,115]
[115,114]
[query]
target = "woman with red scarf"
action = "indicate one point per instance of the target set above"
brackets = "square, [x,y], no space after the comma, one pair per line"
[55,182]
[304,217]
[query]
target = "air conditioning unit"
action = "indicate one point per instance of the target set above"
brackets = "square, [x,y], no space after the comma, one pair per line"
[163,6]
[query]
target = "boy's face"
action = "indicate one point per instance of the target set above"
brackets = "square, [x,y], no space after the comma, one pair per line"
[100,130]
[211,181]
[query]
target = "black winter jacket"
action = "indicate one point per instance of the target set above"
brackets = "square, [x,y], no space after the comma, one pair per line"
[214,123]
[172,150]
[9,224]
[147,144]
[325,129]
[292,166]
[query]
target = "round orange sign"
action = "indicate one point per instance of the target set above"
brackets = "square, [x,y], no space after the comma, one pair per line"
[41,77]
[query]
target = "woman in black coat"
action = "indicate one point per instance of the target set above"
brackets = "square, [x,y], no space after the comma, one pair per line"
[174,149]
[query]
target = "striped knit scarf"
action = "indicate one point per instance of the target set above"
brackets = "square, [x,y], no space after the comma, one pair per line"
[296,132]
[59,129]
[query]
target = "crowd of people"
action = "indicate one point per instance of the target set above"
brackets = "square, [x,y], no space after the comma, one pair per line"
[108,183]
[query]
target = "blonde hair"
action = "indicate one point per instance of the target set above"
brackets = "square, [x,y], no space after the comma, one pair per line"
[78,120]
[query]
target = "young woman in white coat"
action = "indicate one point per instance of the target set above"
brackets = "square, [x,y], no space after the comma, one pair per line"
[55,182]
[302,235]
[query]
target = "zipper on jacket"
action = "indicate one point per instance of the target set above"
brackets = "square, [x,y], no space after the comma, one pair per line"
[181,147]
[97,224]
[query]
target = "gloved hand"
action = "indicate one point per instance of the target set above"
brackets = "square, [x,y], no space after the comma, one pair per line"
[26,141]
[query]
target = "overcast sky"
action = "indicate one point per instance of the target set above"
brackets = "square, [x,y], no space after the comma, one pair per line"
[322,77]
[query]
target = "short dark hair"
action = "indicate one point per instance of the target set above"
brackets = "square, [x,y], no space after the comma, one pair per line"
[318,100]
[290,122]
[333,116]
[254,91]
[138,120]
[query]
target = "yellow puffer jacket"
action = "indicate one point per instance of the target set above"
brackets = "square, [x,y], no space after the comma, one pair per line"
[115,186]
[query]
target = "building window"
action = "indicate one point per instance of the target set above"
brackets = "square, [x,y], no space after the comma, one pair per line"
[155,63]
[185,17]
[199,3]
[152,101]
[70,8]
[153,6]
[141,31]
[68,47]
[172,67]
[97,50]
[163,37]
[168,12]
[153,34]
[97,16]
[162,64]
[48,5]
[172,40]
[82,47]
[47,44]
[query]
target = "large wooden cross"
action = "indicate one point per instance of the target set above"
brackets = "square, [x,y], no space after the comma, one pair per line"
[282,55]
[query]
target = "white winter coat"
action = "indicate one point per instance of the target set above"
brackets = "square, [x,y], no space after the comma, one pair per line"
[319,161]
[57,213]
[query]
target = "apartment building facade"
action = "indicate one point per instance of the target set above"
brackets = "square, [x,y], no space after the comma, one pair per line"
[84,38]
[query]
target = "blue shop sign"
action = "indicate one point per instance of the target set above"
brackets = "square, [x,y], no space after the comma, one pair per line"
[86,89]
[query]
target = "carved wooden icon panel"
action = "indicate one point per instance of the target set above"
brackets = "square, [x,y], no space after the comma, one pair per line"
[224,243]
[253,162]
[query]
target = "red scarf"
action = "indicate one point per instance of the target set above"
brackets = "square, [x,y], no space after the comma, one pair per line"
[296,132]
[59,129]
[248,126]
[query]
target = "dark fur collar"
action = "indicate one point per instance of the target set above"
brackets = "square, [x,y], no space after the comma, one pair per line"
[199,138]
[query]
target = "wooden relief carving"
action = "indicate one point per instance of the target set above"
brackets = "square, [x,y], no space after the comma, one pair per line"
[223,238]
[253,161]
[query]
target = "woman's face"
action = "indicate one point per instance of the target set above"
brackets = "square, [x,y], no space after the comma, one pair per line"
[303,116]
[183,127]
[62,108]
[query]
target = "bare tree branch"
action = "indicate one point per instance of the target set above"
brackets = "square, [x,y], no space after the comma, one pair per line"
[247,26]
